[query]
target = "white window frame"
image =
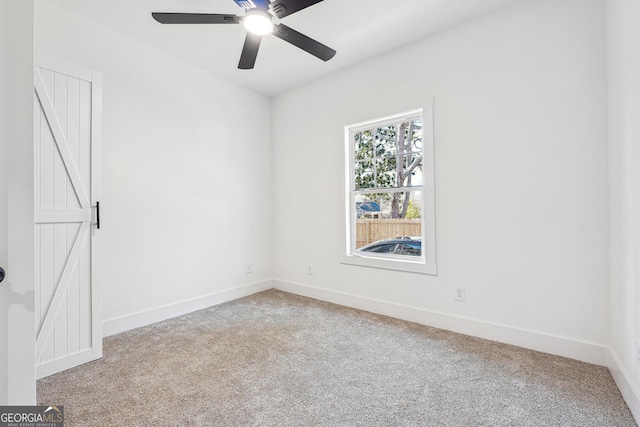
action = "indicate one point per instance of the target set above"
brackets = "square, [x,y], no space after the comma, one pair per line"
[425,264]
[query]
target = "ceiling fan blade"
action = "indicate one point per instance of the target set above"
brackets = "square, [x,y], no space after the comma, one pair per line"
[305,43]
[249,51]
[283,8]
[195,18]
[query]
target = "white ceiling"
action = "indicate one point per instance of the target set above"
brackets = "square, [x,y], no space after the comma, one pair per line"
[356,29]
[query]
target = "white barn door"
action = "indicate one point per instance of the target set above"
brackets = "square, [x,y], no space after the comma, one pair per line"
[67,235]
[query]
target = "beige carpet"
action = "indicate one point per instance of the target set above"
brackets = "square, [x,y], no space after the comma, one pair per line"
[275,359]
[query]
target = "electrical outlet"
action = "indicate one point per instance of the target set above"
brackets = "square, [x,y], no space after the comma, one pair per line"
[459,293]
[249,269]
[638,351]
[310,269]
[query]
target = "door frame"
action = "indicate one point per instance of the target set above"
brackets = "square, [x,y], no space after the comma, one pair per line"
[17,292]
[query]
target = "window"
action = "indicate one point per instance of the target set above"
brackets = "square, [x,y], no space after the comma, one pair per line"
[390,192]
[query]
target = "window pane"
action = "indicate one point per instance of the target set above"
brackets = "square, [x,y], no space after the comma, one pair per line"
[383,216]
[386,173]
[415,131]
[411,174]
[364,174]
[363,147]
[385,141]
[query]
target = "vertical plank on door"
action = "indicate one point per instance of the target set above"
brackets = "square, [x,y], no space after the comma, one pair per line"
[62,246]
[37,197]
[84,136]
[47,152]
[73,308]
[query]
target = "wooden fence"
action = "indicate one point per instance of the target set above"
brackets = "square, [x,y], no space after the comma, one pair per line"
[371,230]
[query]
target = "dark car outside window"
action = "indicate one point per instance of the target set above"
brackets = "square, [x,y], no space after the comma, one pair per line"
[387,248]
[414,249]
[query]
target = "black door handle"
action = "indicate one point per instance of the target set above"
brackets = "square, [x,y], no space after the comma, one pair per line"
[97,206]
[1,274]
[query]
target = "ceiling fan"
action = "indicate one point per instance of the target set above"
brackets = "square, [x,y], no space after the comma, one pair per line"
[258,20]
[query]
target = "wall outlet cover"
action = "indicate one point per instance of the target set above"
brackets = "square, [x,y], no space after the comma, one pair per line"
[459,293]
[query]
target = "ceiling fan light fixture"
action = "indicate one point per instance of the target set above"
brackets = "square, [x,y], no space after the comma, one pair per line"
[258,22]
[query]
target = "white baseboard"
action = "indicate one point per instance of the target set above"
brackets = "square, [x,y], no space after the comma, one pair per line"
[583,351]
[147,317]
[623,380]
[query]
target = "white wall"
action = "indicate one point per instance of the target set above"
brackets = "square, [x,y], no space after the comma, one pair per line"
[187,194]
[17,298]
[521,179]
[623,60]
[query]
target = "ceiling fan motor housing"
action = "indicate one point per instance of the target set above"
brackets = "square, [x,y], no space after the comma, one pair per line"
[253,4]
[247,4]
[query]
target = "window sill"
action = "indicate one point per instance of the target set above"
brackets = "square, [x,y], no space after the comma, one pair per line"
[390,264]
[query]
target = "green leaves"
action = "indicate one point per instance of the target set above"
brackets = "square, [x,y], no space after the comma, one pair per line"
[389,156]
